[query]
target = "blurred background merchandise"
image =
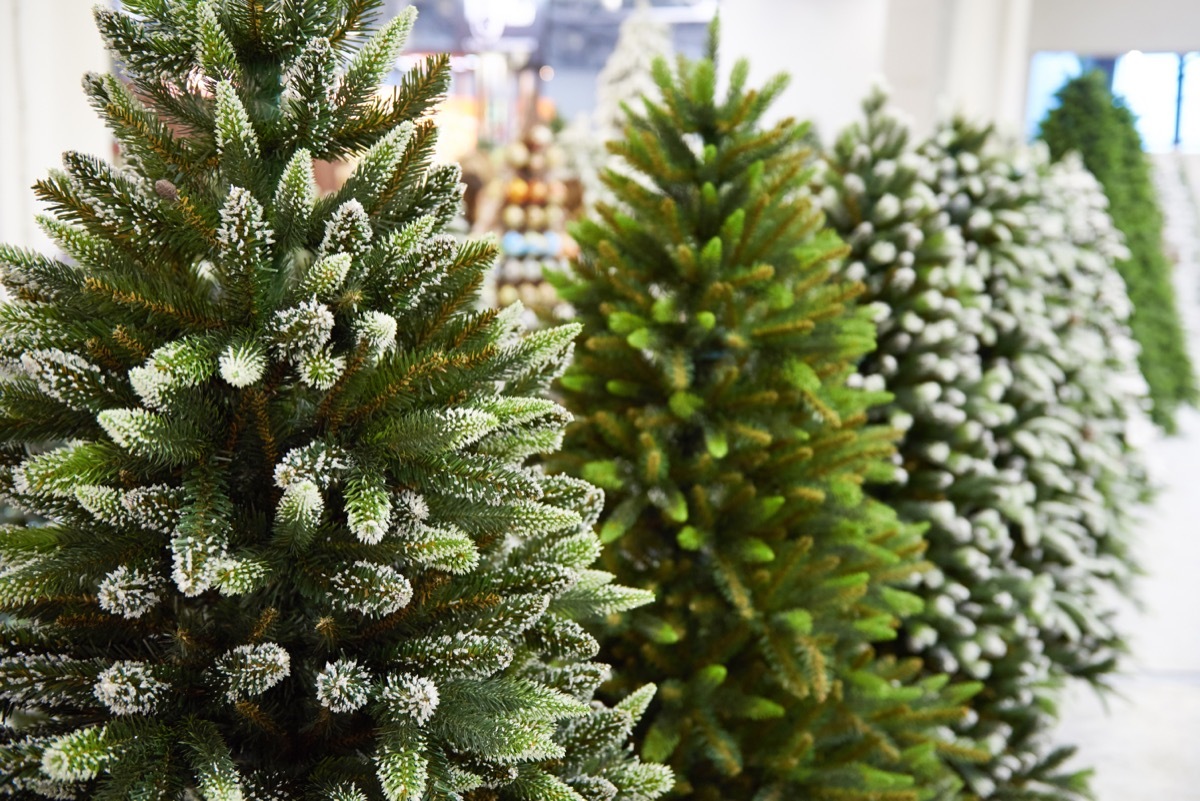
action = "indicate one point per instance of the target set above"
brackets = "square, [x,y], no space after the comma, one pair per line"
[521,64]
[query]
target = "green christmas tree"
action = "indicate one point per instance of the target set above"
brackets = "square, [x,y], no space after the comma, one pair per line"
[714,406]
[294,549]
[1102,129]
[1015,381]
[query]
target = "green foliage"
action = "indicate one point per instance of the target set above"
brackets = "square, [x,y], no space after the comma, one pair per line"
[713,404]
[294,548]
[1003,337]
[1101,129]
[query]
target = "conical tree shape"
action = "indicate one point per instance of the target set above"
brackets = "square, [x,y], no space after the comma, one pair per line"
[713,405]
[1021,463]
[295,550]
[1102,129]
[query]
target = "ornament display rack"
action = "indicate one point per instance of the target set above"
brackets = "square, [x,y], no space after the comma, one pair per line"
[532,204]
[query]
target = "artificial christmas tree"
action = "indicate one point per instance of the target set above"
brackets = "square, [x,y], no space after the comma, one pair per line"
[294,547]
[713,405]
[1015,415]
[1102,129]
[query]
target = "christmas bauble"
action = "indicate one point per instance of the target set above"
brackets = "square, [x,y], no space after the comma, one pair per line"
[535,218]
[556,157]
[556,192]
[541,136]
[518,155]
[535,244]
[507,295]
[513,217]
[533,270]
[570,248]
[513,244]
[514,271]
[518,191]
[556,217]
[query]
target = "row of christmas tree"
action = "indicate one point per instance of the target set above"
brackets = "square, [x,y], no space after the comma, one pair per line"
[317,530]
[741,377]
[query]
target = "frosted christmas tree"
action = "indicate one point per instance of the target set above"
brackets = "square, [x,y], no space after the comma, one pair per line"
[1102,130]
[1015,378]
[1033,549]
[628,75]
[294,549]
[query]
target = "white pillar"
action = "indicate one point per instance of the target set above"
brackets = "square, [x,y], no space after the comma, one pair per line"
[1013,65]
[833,49]
[969,56]
[45,48]
[916,58]
[987,69]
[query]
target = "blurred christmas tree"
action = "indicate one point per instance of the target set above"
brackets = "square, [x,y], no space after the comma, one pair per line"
[1102,130]
[294,548]
[1018,456]
[628,75]
[714,405]
[626,79]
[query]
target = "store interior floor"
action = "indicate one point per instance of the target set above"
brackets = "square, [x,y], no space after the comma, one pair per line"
[1143,741]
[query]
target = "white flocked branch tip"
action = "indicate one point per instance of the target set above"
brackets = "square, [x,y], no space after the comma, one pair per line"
[320,369]
[303,329]
[130,688]
[370,589]
[66,377]
[413,696]
[130,592]
[347,231]
[317,462]
[326,275]
[377,331]
[77,756]
[243,364]
[344,686]
[234,129]
[368,507]
[251,670]
[301,504]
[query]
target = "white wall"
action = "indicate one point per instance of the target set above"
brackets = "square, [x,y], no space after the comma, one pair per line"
[45,48]
[833,50]
[935,55]
[938,55]
[1112,27]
